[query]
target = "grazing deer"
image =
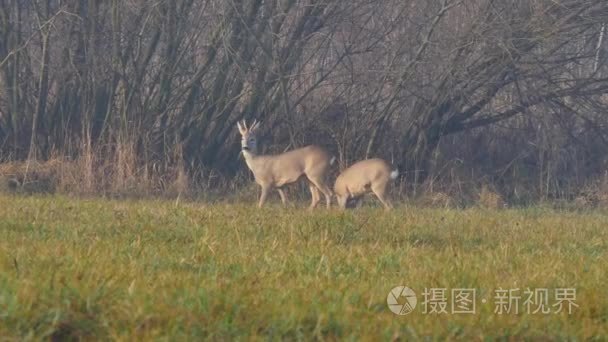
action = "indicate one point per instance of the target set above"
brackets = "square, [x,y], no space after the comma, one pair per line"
[275,171]
[367,175]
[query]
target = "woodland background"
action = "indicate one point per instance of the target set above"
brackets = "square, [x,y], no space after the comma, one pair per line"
[503,101]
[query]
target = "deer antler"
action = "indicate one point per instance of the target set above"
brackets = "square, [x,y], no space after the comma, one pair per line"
[255,125]
[241,126]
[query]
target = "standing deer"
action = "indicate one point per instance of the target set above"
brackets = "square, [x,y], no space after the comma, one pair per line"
[362,177]
[275,171]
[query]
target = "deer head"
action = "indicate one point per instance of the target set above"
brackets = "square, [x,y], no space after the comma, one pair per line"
[249,139]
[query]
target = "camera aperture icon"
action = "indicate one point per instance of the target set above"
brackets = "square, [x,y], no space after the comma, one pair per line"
[401,300]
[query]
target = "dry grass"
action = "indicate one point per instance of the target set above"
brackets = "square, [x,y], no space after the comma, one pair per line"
[142,270]
[121,176]
[33,176]
[490,199]
[437,199]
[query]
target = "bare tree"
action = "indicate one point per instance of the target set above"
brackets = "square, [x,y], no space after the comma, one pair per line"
[160,84]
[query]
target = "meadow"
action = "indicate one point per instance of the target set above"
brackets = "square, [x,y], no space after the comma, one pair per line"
[163,270]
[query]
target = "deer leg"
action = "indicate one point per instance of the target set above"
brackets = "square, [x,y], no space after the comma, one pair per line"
[265,191]
[324,189]
[314,192]
[327,192]
[380,191]
[283,196]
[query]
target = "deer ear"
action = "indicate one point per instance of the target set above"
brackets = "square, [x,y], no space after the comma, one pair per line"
[242,127]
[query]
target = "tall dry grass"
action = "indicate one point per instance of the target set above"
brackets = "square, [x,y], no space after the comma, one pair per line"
[118,171]
[127,170]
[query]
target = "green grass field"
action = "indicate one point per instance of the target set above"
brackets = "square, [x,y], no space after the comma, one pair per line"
[141,270]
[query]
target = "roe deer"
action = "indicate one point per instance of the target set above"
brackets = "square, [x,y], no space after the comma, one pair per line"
[362,177]
[275,171]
